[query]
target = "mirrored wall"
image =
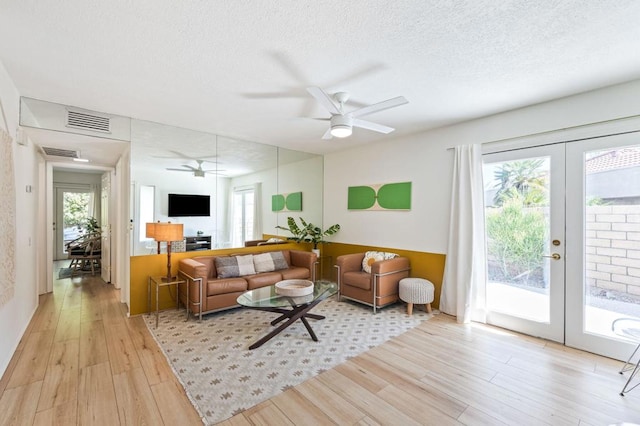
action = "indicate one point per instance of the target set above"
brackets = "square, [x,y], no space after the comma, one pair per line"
[250,188]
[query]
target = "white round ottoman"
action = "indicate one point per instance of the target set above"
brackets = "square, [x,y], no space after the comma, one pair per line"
[418,291]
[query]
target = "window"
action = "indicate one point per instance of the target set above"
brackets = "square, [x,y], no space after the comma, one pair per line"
[243,216]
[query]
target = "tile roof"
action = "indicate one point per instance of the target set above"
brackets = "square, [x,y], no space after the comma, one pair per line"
[614,159]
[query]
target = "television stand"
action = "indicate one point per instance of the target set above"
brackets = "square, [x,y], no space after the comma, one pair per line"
[200,242]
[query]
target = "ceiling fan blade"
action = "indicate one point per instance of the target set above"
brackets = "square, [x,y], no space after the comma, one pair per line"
[179,170]
[372,126]
[380,106]
[327,135]
[322,97]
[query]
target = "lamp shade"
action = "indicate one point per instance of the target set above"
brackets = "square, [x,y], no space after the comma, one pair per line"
[168,232]
[150,230]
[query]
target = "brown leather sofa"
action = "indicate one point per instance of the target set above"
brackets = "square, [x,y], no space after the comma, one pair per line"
[220,293]
[378,288]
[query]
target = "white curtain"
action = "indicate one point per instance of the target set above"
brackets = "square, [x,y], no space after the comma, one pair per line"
[463,288]
[7,218]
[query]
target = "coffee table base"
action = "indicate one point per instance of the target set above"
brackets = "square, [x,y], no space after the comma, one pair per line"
[295,313]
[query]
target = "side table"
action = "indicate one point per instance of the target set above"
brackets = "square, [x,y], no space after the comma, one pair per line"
[159,282]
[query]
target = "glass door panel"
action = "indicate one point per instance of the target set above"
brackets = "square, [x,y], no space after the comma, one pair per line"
[604,277]
[524,215]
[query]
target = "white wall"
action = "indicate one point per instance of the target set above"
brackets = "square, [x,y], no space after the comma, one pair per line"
[176,183]
[16,314]
[425,160]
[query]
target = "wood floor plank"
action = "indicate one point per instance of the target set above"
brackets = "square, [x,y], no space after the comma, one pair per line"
[333,405]
[68,325]
[415,408]
[268,414]
[375,407]
[152,359]
[33,361]
[93,344]
[431,396]
[474,417]
[122,353]
[174,407]
[136,404]
[9,371]
[18,404]
[48,314]
[60,384]
[237,420]
[300,410]
[60,415]
[96,396]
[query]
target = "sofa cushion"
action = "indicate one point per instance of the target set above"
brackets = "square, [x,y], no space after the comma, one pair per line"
[235,266]
[263,279]
[225,285]
[357,279]
[268,262]
[375,256]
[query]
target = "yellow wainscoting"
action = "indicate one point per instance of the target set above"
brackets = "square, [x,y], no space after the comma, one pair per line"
[424,265]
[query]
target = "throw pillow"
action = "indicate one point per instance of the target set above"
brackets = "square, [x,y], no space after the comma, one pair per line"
[375,256]
[227,267]
[275,240]
[245,265]
[268,262]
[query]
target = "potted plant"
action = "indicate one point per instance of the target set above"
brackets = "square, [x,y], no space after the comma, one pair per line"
[308,232]
[92,225]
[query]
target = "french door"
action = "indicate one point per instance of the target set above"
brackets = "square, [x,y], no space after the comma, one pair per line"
[563,241]
[603,269]
[525,222]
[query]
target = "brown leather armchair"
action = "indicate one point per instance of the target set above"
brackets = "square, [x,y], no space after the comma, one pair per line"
[378,288]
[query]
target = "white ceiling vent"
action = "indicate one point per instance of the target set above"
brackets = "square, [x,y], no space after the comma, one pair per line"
[82,120]
[58,152]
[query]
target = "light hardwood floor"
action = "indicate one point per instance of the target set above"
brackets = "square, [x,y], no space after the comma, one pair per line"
[82,361]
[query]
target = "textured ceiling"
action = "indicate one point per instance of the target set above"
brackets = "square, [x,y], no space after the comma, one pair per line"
[240,68]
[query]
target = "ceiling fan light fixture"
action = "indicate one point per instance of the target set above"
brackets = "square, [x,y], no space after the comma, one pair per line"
[341,131]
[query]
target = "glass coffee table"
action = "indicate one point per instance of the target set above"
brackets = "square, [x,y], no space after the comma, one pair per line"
[290,308]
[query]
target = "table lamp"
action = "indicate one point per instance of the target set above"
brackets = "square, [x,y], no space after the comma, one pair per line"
[168,232]
[151,232]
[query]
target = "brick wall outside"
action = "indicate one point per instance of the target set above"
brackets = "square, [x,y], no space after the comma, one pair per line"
[613,248]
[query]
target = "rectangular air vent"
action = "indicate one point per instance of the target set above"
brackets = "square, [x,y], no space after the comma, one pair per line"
[81,120]
[58,152]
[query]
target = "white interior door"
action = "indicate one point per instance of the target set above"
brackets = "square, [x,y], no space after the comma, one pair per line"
[603,241]
[105,222]
[525,233]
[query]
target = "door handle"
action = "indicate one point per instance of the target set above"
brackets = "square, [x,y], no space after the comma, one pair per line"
[554,256]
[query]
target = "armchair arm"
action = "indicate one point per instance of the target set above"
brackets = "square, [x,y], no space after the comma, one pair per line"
[389,266]
[350,262]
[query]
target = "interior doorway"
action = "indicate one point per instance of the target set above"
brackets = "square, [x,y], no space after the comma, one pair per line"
[74,207]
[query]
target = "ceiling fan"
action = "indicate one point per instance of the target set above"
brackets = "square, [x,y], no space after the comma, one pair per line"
[197,171]
[342,122]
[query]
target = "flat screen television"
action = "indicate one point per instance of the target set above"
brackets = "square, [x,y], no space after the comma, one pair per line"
[189,205]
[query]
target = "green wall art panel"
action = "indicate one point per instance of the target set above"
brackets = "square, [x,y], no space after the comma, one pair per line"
[387,196]
[291,202]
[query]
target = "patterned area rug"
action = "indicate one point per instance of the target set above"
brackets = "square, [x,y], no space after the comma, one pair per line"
[222,377]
